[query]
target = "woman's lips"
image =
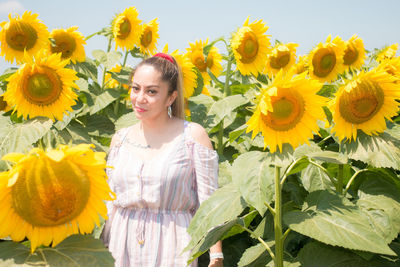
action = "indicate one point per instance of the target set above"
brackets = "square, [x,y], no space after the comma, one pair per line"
[140,109]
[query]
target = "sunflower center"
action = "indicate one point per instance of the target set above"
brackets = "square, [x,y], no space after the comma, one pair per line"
[281,60]
[64,44]
[287,112]
[362,102]
[323,62]
[350,55]
[49,193]
[3,104]
[248,49]
[124,28]
[146,38]
[21,36]
[42,88]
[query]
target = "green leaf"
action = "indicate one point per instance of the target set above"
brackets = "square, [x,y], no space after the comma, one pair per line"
[382,151]
[86,69]
[300,165]
[83,85]
[334,220]
[7,73]
[379,199]
[224,204]
[254,178]
[20,137]
[199,82]
[313,178]
[224,174]
[255,256]
[103,100]
[100,55]
[316,254]
[112,59]
[126,120]
[224,108]
[122,76]
[199,106]
[313,151]
[236,133]
[76,250]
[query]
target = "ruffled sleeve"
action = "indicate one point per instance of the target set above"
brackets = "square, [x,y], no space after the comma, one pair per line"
[206,170]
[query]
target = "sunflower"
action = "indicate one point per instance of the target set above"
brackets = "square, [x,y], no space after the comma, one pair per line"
[301,65]
[387,52]
[48,196]
[69,43]
[189,75]
[26,33]
[325,61]
[149,37]
[250,47]
[42,87]
[3,105]
[212,63]
[282,57]
[363,103]
[126,29]
[354,54]
[288,111]
[391,66]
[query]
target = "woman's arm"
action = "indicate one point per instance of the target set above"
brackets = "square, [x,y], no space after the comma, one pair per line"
[200,135]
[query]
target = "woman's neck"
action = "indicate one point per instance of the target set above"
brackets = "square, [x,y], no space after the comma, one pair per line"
[156,126]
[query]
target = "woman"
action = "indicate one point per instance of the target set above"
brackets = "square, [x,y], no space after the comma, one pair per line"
[163,168]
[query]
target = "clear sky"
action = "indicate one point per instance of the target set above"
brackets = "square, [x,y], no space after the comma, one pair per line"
[182,21]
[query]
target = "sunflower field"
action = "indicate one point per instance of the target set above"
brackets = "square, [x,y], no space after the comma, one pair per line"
[309,145]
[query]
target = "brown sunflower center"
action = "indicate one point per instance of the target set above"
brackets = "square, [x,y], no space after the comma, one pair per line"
[64,44]
[362,102]
[280,60]
[350,55]
[287,112]
[3,104]
[323,62]
[21,36]
[124,29]
[49,193]
[248,49]
[146,39]
[43,87]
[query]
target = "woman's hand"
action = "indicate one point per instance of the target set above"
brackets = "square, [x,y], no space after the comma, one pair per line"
[216,263]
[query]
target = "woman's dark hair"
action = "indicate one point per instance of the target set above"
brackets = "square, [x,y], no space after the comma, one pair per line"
[170,73]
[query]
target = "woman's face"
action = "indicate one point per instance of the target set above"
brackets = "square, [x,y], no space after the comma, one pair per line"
[149,94]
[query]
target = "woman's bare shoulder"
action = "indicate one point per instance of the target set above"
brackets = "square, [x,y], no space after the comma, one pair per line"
[199,134]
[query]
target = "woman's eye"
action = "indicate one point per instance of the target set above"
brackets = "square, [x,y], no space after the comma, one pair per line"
[152,92]
[135,88]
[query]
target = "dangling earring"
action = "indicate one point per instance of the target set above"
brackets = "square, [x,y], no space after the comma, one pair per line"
[169,112]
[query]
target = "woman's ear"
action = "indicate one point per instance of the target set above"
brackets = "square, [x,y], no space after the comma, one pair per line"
[172,97]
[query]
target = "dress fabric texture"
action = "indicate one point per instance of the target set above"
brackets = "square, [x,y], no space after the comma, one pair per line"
[156,199]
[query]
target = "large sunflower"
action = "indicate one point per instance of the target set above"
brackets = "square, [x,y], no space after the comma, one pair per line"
[69,43]
[282,57]
[48,196]
[26,33]
[363,103]
[189,76]
[250,47]
[126,29]
[42,87]
[354,54]
[325,61]
[149,37]
[288,111]
[387,53]
[212,63]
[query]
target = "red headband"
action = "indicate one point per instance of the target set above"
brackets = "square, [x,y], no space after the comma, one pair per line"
[165,56]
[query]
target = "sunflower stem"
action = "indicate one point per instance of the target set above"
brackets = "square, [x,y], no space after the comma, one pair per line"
[227,88]
[220,137]
[278,220]
[339,184]
[105,69]
[271,209]
[289,169]
[125,58]
[352,179]
[259,239]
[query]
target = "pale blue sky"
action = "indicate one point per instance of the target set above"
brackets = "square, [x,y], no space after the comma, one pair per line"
[304,22]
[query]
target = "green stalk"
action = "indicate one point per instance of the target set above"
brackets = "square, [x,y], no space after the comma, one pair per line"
[220,138]
[125,58]
[105,69]
[352,179]
[259,239]
[339,185]
[227,89]
[278,220]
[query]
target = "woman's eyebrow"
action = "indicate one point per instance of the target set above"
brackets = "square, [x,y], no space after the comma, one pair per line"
[149,86]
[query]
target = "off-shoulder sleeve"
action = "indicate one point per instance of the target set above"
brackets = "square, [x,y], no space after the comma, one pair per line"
[206,169]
